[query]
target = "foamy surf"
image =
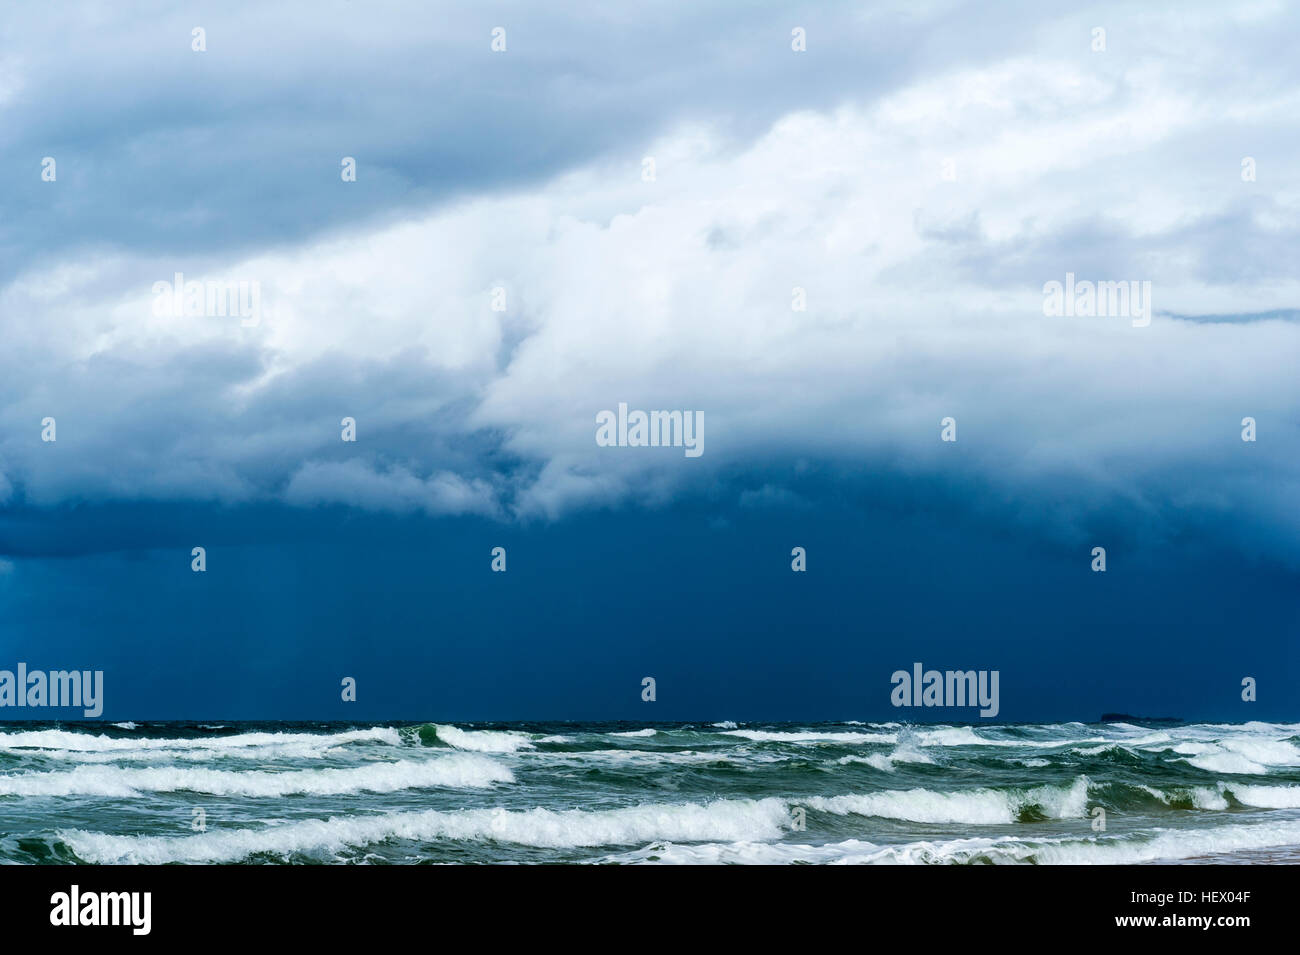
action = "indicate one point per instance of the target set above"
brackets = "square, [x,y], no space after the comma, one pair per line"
[65,741]
[1147,847]
[482,741]
[831,793]
[978,807]
[545,828]
[457,771]
[768,736]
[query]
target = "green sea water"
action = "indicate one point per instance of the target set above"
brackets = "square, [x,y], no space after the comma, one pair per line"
[308,793]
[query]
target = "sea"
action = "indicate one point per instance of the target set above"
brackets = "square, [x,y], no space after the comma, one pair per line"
[649,793]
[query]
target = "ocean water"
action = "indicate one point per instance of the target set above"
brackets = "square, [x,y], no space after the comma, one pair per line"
[282,793]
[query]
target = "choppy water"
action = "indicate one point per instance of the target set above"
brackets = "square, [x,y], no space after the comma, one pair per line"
[566,792]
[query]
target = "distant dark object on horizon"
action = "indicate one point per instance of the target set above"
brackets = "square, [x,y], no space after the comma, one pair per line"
[1126,718]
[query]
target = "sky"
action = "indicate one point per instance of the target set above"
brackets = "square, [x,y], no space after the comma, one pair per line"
[823,253]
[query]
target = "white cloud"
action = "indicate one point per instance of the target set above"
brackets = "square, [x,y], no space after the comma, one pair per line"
[924,300]
[355,484]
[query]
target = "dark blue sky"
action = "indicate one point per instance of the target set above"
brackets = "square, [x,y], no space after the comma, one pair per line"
[700,596]
[823,250]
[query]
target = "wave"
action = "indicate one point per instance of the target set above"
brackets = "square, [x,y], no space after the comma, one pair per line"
[1197,797]
[965,736]
[1012,793]
[478,741]
[1264,797]
[64,741]
[748,853]
[1269,752]
[952,736]
[1252,757]
[642,756]
[719,821]
[1253,726]
[1156,846]
[809,736]
[1232,763]
[887,762]
[260,755]
[979,807]
[461,770]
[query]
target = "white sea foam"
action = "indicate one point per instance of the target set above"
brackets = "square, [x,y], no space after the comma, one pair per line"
[1233,763]
[163,755]
[887,762]
[719,821]
[952,736]
[1201,797]
[58,763]
[806,736]
[1153,846]
[65,741]
[1254,726]
[965,736]
[1205,798]
[1267,751]
[1163,844]
[484,741]
[459,770]
[1240,755]
[970,807]
[1264,797]
[879,760]
[644,756]
[1195,749]
[747,853]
